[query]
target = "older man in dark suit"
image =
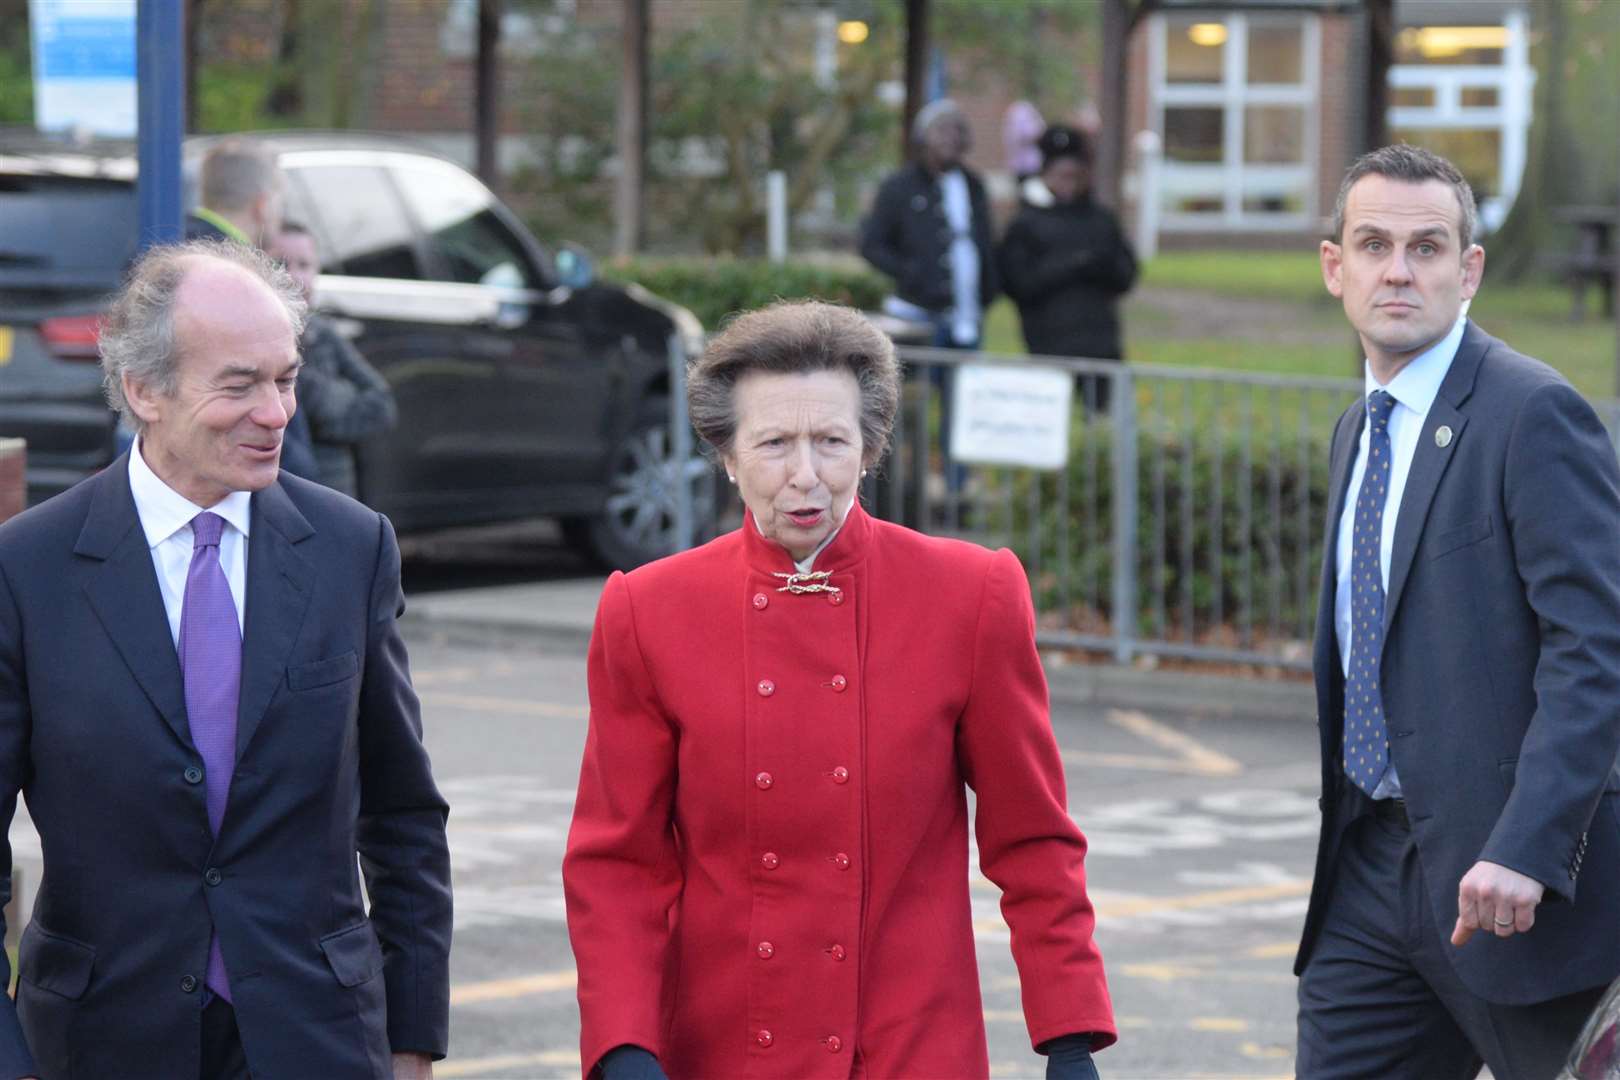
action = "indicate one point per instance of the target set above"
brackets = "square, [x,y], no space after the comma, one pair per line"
[206,702]
[1467,671]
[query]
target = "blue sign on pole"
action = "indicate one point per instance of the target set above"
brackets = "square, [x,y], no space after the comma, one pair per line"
[84,65]
[160,74]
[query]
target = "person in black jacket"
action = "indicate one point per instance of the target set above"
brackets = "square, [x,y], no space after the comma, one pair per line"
[342,399]
[1066,264]
[929,230]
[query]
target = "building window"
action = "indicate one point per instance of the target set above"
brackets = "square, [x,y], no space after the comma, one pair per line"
[1233,99]
[1465,92]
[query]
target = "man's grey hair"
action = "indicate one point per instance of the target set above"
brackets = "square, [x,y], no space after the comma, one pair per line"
[236,172]
[137,334]
[1412,165]
[932,113]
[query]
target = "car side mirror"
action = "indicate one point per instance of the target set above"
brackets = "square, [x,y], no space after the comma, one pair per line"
[575,270]
[1597,1052]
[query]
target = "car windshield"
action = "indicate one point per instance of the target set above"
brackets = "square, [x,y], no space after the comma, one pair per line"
[64,232]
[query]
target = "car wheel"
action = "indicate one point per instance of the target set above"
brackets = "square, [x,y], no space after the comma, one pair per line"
[637,522]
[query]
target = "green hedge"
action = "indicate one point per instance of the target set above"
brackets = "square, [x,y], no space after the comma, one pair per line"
[1281,548]
[714,288]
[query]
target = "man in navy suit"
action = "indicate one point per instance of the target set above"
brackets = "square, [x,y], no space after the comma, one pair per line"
[1467,671]
[205,699]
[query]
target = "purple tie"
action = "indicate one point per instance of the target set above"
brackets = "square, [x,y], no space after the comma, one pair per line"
[211,664]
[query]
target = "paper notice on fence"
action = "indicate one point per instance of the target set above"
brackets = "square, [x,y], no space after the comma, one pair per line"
[1005,414]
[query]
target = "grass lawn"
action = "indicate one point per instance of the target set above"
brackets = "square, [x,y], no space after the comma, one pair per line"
[1269,312]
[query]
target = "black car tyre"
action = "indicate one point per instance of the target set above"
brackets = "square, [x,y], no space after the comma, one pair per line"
[637,522]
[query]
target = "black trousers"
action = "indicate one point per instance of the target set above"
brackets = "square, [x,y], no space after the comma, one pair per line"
[1379,997]
[222,1056]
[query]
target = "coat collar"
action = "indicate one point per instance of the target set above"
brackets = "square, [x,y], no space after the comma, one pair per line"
[846,550]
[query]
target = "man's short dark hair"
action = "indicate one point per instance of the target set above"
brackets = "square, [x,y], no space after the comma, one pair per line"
[1412,165]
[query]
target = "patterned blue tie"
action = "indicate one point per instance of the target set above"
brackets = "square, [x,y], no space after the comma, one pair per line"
[1366,738]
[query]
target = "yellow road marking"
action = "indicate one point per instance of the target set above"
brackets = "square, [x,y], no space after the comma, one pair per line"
[484,703]
[1272,952]
[1189,752]
[1109,908]
[503,1064]
[524,986]
[1255,1050]
[1149,905]
[1218,1023]
[6,334]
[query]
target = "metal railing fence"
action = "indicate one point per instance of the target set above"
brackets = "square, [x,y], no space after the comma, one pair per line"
[1187,522]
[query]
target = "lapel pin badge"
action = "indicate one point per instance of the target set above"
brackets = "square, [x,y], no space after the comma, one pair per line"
[1442,436]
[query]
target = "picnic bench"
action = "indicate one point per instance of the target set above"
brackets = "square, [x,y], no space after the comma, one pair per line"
[1592,261]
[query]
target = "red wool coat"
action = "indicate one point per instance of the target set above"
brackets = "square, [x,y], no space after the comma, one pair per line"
[767,871]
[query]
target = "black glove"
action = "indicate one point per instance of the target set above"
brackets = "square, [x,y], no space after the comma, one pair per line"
[1069,1058]
[631,1063]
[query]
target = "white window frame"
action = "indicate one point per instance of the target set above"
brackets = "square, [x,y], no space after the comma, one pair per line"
[1514,81]
[1232,95]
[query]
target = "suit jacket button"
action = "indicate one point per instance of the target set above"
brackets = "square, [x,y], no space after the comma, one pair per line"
[840,775]
[761,601]
[763,781]
[834,1044]
[835,598]
[841,861]
[837,952]
[766,688]
[213,876]
[188,983]
[764,1038]
[770,860]
[193,774]
[839,683]
[766,950]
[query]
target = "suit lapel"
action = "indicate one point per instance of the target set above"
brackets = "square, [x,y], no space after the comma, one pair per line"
[1346,442]
[280,582]
[1429,461]
[124,595]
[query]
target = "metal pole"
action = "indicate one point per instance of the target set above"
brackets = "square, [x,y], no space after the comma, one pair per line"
[776,215]
[631,138]
[1123,406]
[680,444]
[488,106]
[160,93]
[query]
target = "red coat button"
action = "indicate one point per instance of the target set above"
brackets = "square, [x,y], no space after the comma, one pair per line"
[766,688]
[841,861]
[835,598]
[834,1044]
[770,860]
[837,952]
[840,775]
[764,1038]
[839,683]
[763,781]
[766,950]
[761,601]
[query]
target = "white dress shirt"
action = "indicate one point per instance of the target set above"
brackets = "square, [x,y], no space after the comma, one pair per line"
[1414,389]
[166,519]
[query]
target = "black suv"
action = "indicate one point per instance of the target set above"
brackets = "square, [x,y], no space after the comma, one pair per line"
[525,389]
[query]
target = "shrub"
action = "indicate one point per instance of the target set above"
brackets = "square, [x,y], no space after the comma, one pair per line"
[715,288]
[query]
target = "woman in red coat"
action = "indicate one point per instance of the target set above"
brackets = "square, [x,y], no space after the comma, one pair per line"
[767,871]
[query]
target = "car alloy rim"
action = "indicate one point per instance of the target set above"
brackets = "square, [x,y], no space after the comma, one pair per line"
[643,487]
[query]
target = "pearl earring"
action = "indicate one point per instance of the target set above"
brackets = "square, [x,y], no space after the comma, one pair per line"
[731,478]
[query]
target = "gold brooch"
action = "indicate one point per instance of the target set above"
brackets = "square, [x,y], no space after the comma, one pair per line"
[813,582]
